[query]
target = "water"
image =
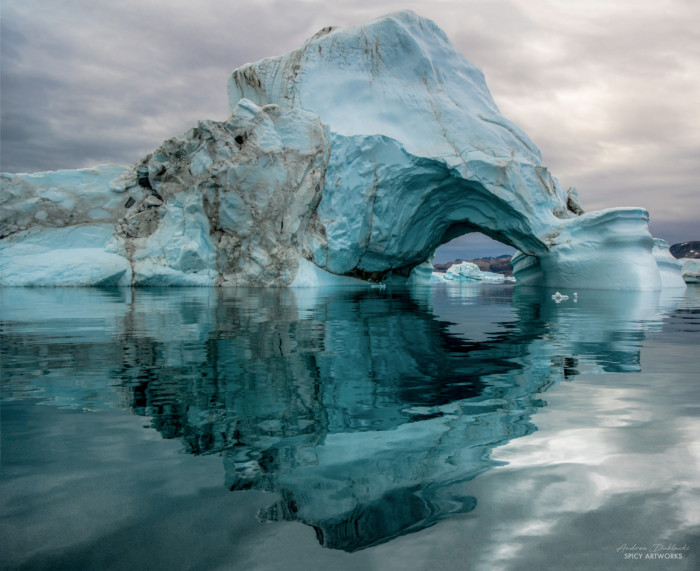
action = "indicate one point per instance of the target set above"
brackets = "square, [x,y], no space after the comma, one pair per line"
[473,427]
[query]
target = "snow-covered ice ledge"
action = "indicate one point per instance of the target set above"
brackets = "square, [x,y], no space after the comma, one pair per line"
[349,160]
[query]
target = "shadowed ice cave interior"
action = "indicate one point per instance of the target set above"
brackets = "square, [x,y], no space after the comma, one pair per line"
[364,411]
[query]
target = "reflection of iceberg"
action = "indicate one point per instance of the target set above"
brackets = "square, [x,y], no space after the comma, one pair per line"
[364,418]
[601,332]
[364,410]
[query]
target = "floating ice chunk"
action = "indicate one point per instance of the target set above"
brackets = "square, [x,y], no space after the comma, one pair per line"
[558,297]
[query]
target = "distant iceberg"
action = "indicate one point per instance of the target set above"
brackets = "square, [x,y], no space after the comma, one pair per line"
[691,270]
[467,272]
[351,158]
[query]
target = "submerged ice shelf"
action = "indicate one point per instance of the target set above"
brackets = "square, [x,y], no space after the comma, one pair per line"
[350,159]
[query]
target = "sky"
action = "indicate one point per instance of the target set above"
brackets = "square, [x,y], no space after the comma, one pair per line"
[609,90]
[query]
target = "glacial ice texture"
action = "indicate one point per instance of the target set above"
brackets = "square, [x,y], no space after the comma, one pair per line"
[351,158]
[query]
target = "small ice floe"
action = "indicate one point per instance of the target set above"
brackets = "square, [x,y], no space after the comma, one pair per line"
[558,297]
[381,285]
[575,296]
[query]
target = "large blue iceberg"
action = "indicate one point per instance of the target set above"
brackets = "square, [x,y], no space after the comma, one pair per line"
[349,159]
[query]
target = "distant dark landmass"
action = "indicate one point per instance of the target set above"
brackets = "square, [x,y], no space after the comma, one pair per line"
[497,265]
[686,250]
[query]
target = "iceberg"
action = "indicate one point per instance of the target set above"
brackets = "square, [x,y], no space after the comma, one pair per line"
[690,270]
[467,272]
[353,158]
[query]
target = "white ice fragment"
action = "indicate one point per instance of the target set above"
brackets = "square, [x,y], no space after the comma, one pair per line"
[558,297]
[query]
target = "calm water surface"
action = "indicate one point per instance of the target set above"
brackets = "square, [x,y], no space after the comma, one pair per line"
[458,427]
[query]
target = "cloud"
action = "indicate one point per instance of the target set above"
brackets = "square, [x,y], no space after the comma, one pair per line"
[608,91]
[120,76]
[471,246]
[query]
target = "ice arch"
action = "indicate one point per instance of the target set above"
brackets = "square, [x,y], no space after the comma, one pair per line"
[421,154]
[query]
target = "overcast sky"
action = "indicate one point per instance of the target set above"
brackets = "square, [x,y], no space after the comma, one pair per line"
[608,89]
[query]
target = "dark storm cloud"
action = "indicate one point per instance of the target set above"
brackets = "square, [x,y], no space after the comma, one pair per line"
[608,91]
